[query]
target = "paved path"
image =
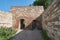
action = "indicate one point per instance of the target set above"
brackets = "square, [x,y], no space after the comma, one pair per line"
[29,35]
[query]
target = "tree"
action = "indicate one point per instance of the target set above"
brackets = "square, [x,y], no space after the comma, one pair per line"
[44,3]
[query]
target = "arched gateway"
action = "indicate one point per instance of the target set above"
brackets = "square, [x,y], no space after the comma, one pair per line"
[23,16]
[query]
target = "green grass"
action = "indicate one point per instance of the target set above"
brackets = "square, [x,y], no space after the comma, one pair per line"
[44,35]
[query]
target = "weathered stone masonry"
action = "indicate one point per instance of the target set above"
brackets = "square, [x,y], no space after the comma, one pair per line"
[5,19]
[28,13]
[51,20]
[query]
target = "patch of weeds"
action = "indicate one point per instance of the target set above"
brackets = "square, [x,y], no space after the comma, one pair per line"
[6,33]
[44,35]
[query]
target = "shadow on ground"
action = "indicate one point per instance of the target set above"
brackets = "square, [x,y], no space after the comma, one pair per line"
[28,35]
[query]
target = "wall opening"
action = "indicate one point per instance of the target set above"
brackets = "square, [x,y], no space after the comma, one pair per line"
[22,23]
[34,24]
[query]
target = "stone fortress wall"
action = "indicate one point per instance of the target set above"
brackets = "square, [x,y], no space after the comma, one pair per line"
[51,20]
[5,19]
[28,13]
[12,18]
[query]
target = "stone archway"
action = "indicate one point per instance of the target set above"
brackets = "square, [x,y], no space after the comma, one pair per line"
[27,21]
[22,23]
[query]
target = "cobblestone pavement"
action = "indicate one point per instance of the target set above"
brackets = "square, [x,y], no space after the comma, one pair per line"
[28,35]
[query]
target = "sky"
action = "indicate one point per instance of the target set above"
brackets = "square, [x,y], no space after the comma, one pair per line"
[5,5]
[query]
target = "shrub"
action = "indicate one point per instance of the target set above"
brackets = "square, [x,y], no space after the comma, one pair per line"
[6,33]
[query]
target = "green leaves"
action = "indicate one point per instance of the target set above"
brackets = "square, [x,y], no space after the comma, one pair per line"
[6,33]
[44,3]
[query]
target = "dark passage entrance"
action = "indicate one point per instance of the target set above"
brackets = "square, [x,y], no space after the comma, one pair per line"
[34,24]
[22,24]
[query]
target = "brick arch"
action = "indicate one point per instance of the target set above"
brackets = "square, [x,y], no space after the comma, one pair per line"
[23,17]
[27,19]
